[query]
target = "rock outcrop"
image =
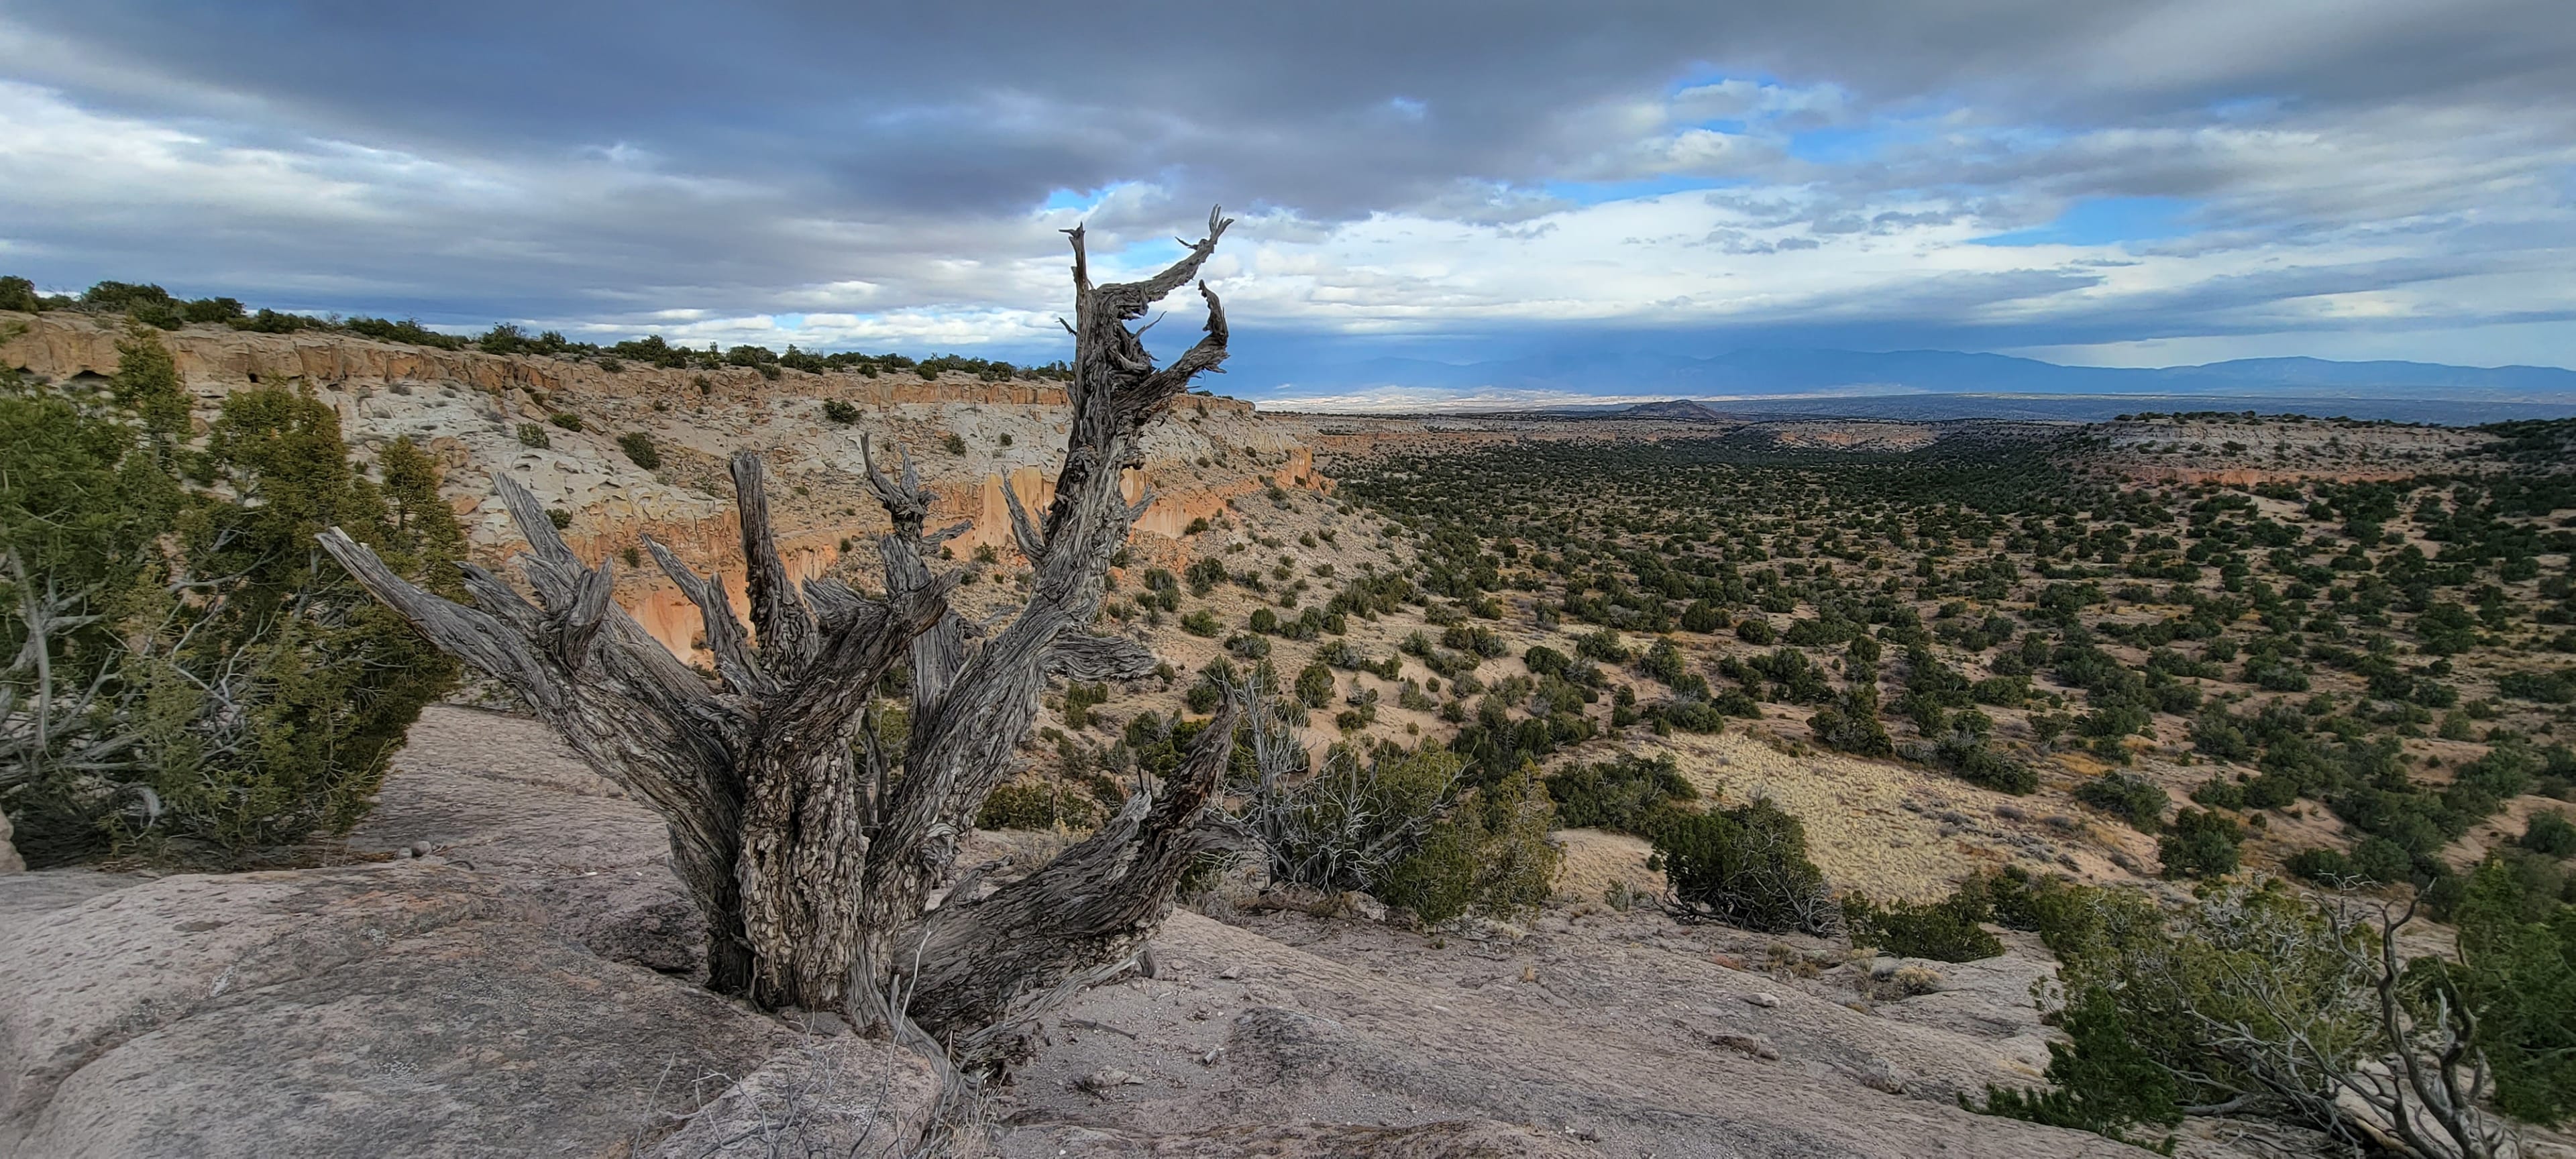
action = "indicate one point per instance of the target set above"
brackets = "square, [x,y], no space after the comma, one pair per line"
[1624,1038]
[470,409]
[490,995]
[504,796]
[401,1008]
[500,983]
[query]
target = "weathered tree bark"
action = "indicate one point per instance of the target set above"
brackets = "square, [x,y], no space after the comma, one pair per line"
[814,854]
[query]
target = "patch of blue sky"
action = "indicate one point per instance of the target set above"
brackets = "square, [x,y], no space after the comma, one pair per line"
[1070,199]
[788,321]
[1702,78]
[1147,255]
[1603,192]
[2107,221]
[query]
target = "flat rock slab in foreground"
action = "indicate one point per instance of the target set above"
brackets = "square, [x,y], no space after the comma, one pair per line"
[488,1000]
[410,1007]
[1239,1029]
[402,1009]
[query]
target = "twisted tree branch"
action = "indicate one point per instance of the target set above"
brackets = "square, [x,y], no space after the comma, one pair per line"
[812,859]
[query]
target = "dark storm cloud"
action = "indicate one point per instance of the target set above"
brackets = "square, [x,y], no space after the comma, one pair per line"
[989,106]
[599,161]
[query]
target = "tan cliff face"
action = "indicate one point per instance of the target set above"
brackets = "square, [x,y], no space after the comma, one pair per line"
[469,408]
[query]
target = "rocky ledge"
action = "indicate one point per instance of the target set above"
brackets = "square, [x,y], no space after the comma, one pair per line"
[502,969]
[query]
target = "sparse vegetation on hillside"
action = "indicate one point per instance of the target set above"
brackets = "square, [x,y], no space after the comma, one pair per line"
[2369,660]
[1757,657]
[1993,607]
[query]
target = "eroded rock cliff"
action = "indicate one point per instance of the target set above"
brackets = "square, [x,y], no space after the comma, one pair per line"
[555,424]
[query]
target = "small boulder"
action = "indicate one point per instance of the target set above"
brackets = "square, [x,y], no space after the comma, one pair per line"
[1101,1082]
[1741,1042]
[1880,1074]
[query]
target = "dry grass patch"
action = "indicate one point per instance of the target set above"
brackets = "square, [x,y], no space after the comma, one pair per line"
[1597,863]
[1859,831]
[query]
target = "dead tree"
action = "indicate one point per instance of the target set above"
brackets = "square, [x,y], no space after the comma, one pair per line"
[813,854]
[54,729]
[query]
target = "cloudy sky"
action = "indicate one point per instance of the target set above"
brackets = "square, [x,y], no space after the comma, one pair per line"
[2142,183]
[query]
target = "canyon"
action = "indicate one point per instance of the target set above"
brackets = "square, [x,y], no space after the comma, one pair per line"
[970,438]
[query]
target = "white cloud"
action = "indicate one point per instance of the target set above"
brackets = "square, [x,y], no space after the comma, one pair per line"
[2438,207]
[58,158]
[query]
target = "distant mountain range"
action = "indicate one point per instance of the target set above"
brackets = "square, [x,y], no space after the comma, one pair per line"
[2437,409]
[1752,374]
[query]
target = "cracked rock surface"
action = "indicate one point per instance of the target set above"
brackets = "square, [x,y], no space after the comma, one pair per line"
[511,980]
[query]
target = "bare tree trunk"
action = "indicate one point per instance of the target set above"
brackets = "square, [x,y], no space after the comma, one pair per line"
[812,855]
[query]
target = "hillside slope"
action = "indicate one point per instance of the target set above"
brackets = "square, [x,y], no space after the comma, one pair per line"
[470,409]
